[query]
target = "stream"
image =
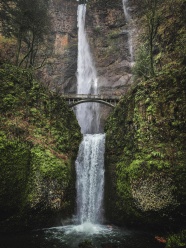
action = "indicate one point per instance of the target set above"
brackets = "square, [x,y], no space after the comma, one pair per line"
[102,236]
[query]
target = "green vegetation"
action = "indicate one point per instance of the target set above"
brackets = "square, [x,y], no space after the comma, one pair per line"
[39,140]
[28,22]
[177,240]
[162,37]
[146,141]
[14,172]
[39,135]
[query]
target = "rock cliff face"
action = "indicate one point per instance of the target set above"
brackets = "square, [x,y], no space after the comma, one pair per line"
[107,31]
[108,34]
[60,70]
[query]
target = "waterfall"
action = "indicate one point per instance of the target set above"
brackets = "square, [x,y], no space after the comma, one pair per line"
[88,113]
[126,12]
[128,19]
[90,160]
[90,178]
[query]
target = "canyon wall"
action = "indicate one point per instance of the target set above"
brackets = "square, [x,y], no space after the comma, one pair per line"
[145,134]
[108,35]
[107,32]
[59,73]
[145,155]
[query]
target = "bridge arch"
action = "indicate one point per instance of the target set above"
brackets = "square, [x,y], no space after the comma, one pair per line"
[75,99]
[91,100]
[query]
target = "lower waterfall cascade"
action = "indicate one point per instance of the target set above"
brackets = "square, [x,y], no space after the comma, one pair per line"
[90,178]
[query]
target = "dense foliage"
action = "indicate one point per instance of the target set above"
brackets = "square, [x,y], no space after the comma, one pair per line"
[162,38]
[28,22]
[39,134]
[39,139]
[146,140]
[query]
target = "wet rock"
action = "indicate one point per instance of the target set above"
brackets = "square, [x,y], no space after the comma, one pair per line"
[59,72]
[86,244]
[108,245]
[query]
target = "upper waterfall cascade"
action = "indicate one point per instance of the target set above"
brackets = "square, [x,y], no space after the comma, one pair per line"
[87,114]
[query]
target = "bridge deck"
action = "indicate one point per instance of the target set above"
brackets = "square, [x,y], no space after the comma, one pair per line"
[90,96]
[75,99]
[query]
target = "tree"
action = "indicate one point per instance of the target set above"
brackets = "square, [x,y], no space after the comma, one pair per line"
[27,21]
[152,21]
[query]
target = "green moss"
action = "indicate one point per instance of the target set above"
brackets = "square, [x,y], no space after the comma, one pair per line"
[146,143]
[46,166]
[177,240]
[38,144]
[14,174]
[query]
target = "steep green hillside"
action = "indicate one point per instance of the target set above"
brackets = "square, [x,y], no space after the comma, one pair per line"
[146,139]
[146,143]
[39,139]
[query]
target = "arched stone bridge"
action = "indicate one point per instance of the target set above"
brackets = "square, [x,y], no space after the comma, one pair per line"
[74,99]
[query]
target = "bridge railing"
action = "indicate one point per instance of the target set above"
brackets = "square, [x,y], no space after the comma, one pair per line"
[90,96]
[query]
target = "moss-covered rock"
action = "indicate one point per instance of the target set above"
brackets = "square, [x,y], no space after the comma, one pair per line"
[145,153]
[146,140]
[39,141]
[14,173]
[177,240]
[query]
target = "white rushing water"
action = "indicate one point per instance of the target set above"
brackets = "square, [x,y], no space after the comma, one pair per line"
[128,19]
[126,12]
[87,113]
[90,160]
[90,178]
